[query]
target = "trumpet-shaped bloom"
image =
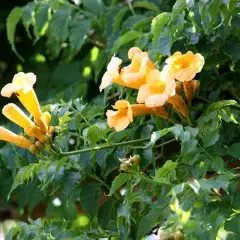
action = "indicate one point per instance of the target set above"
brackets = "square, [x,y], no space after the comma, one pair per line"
[132,76]
[179,104]
[16,115]
[135,73]
[157,89]
[21,82]
[184,67]
[121,118]
[11,137]
[22,86]
[112,73]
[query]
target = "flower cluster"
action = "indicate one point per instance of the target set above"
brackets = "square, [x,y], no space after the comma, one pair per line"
[156,89]
[39,129]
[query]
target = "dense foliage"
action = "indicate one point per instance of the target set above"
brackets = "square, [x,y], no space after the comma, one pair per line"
[180,177]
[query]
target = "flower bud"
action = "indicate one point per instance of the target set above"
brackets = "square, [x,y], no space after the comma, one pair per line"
[178,236]
[125,166]
[48,138]
[179,87]
[135,160]
[164,235]
[39,145]
[51,129]
[196,85]
[33,149]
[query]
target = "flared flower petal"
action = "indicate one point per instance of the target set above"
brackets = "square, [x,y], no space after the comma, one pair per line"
[21,82]
[112,73]
[121,118]
[184,67]
[157,89]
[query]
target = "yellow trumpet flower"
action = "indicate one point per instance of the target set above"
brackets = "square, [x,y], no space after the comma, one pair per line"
[157,89]
[22,86]
[121,118]
[11,137]
[132,76]
[184,67]
[16,115]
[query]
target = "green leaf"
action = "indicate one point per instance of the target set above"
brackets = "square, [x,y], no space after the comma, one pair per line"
[41,18]
[27,16]
[89,197]
[105,213]
[222,104]
[210,138]
[118,182]
[158,24]
[126,38]
[94,134]
[189,146]
[232,49]
[12,21]
[93,6]
[119,18]
[146,4]
[178,8]
[167,172]
[157,135]
[24,174]
[71,180]
[193,131]
[164,44]
[177,130]
[148,220]
[58,27]
[78,33]
[234,150]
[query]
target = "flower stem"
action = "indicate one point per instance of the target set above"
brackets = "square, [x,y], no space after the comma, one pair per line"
[104,147]
[103,183]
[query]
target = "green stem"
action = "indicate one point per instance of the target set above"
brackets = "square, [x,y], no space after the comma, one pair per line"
[165,143]
[189,121]
[80,114]
[103,183]
[105,147]
[131,7]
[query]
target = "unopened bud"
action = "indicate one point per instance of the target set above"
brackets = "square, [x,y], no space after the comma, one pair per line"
[39,145]
[178,236]
[48,138]
[47,117]
[33,149]
[51,129]
[126,167]
[188,90]
[164,235]
[196,85]
[179,87]
[135,160]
